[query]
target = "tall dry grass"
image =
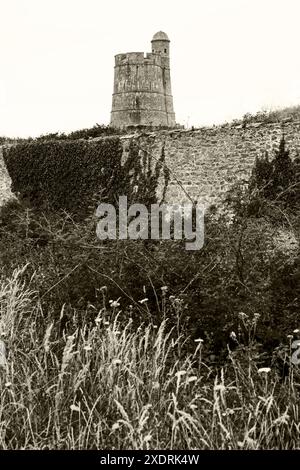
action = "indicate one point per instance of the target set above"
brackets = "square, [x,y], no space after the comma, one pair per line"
[110,386]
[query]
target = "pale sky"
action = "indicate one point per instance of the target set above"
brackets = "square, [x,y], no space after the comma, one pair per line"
[228,57]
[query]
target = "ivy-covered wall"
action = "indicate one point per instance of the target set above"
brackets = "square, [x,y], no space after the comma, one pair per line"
[173,165]
[77,175]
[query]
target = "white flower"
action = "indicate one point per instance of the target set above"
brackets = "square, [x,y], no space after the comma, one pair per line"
[143,301]
[199,340]
[114,303]
[296,331]
[264,370]
[233,336]
[243,315]
[164,288]
[75,408]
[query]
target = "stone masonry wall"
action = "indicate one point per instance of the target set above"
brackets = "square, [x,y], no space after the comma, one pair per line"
[5,181]
[205,163]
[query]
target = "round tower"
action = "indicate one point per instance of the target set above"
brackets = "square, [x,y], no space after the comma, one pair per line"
[142,87]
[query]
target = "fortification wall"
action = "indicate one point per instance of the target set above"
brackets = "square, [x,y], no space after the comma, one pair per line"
[205,163]
[5,181]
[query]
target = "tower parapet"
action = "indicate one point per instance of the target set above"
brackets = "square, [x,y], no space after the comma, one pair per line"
[142,87]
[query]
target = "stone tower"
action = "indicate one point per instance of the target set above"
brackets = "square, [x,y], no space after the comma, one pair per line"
[142,87]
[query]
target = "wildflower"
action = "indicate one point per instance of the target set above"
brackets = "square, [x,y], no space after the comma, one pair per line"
[264,370]
[114,303]
[98,320]
[143,301]
[243,315]
[75,408]
[116,362]
[296,331]
[233,336]
[106,323]
[172,297]
[198,340]
[154,327]
[290,336]
[88,348]
[164,288]
[256,315]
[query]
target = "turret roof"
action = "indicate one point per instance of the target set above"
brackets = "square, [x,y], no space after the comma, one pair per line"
[160,36]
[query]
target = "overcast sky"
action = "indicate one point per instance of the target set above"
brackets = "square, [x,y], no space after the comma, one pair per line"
[228,57]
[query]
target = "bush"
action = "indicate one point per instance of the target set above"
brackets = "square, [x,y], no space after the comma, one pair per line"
[278,179]
[89,133]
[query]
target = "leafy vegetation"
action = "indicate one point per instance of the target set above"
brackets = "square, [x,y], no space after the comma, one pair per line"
[109,385]
[142,344]
[76,175]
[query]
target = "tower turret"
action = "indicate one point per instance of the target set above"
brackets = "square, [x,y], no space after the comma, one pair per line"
[161,44]
[142,87]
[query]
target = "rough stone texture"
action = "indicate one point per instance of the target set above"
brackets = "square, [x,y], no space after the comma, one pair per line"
[205,163]
[142,87]
[5,181]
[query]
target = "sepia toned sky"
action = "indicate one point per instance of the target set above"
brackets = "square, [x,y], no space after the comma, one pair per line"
[228,57]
